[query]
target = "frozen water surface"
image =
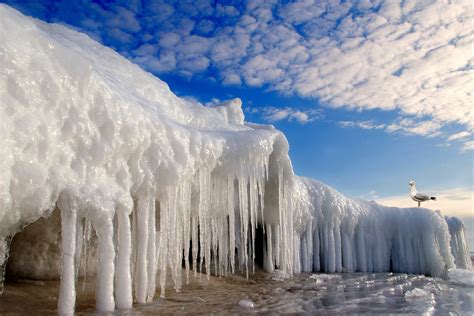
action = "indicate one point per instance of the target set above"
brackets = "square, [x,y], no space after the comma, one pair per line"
[372,293]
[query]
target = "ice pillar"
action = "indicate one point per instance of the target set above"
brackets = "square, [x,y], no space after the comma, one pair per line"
[123,291]
[104,294]
[67,288]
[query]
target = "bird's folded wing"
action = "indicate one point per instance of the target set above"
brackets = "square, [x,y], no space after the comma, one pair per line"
[421,196]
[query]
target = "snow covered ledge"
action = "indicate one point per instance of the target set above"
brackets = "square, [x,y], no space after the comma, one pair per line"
[86,131]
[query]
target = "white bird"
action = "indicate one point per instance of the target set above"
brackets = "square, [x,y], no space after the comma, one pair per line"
[418,197]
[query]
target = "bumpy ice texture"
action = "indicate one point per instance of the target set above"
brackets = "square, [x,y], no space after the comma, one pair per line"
[161,181]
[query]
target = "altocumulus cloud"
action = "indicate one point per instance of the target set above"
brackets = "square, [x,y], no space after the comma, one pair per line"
[275,114]
[414,57]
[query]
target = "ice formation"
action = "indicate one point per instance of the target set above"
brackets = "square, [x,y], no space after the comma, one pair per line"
[344,234]
[164,183]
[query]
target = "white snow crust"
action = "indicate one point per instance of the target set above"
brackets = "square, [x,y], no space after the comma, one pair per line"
[159,178]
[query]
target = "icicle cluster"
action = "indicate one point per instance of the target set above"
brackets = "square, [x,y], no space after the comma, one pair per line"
[459,247]
[344,234]
[204,222]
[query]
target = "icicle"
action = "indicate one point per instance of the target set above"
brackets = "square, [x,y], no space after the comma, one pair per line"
[186,214]
[308,250]
[316,249]
[4,248]
[164,243]
[86,240]
[175,236]
[67,288]
[253,203]
[195,244]
[337,248]
[347,255]
[104,293]
[123,291]
[276,246]
[151,249]
[142,250]
[244,219]
[270,262]
[231,213]
[79,241]
[204,220]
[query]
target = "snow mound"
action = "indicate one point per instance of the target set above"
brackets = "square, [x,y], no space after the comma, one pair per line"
[161,180]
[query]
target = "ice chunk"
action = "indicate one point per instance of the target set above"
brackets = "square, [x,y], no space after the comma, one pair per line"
[417,293]
[461,276]
[247,303]
[231,111]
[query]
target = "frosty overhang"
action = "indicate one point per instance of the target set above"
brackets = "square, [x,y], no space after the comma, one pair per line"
[86,130]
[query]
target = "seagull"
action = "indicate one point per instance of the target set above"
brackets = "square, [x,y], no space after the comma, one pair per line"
[418,197]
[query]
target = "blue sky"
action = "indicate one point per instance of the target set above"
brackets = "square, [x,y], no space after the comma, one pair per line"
[370,94]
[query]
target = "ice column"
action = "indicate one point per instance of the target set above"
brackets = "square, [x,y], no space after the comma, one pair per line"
[458,243]
[141,280]
[123,290]
[104,293]
[67,288]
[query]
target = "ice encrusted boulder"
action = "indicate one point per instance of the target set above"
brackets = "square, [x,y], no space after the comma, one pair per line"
[86,132]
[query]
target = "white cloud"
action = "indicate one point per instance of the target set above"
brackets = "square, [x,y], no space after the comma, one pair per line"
[455,202]
[169,40]
[371,195]
[468,146]
[231,79]
[361,124]
[460,135]
[226,10]
[274,114]
[409,126]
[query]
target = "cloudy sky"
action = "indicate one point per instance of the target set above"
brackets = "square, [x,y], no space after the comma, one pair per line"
[369,93]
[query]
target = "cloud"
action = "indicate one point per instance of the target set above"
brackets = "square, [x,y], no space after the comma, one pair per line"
[412,57]
[460,135]
[371,195]
[464,138]
[274,114]
[454,202]
[361,124]
[409,126]
[405,126]
[467,146]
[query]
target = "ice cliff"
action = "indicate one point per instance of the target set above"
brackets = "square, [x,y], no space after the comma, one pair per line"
[165,183]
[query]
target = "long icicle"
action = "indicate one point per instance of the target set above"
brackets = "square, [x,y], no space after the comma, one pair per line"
[151,249]
[104,293]
[123,291]
[142,262]
[67,288]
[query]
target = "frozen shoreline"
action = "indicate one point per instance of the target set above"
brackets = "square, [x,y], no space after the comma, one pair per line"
[305,293]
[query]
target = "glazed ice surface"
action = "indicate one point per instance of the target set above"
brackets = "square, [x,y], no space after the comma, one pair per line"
[85,130]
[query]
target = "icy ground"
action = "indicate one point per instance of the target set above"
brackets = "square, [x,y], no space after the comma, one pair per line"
[321,294]
[145,181]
